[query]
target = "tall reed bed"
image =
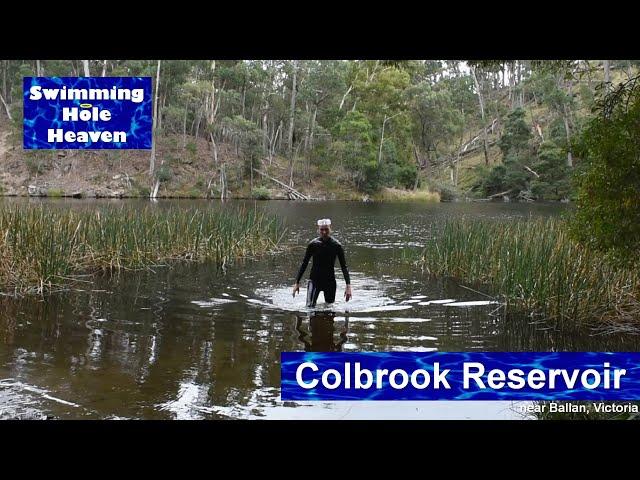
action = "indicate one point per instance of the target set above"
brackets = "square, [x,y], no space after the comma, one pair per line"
[44,248]
[534,264]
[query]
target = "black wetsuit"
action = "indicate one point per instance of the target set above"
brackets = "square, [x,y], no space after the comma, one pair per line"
[322,278]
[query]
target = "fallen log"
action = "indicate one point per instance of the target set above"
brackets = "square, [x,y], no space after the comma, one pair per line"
[501,194]
[531,171]
[291,192]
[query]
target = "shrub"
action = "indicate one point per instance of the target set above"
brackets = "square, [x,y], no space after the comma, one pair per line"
[34,165]
[261,193]
[191,147]
[447,192]
[608,202]
[164,174]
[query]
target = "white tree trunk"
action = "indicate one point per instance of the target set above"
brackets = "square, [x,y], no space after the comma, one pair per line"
[215,148]
[481,100]
[384,122]
[223,183]
[85,66]
[265,129]
[307,133]
[344,97]
[212,106]
[184,129]
[152,162]
[313,127]
[292,107]
[568,132]
[6,107]
[104,68]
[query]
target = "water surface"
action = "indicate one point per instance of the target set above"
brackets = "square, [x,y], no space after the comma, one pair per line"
[194,342]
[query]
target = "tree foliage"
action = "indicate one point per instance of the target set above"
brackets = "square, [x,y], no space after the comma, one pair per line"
[608,203]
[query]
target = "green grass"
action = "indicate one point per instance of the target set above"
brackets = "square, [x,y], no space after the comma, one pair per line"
[55,192]
[535,265]
[44,249]
[394,194]
[261,193]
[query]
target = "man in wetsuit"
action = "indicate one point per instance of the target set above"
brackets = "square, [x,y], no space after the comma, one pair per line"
[324,251]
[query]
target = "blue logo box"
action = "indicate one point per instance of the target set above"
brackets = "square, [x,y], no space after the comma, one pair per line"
[87,113]
[460,376]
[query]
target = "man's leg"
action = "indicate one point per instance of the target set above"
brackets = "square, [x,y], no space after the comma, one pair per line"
[312,294]
[330,292]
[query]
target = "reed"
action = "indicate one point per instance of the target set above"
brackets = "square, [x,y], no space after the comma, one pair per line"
[44,249]
[535,265]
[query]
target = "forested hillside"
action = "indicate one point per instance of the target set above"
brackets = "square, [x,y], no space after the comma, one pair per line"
[327,129]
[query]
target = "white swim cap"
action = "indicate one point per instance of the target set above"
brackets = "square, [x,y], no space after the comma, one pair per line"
[324,222]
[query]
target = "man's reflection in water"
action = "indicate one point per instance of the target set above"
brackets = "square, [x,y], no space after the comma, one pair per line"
[321,325]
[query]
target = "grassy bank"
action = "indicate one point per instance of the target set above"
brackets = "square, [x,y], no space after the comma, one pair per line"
[395,194]
[535,265]
[44,249]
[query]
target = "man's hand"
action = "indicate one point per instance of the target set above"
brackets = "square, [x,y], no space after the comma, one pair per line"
[296,289]
[347,293]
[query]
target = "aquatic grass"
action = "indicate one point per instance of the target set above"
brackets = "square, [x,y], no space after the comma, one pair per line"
[44,249]
[534,264]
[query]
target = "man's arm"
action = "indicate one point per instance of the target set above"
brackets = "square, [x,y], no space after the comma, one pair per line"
[345,273]
[343,265]
[305,262]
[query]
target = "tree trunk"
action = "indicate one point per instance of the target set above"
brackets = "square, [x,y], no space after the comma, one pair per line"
[104,68]
[152,162]
[481,101]
[184,129]
[215,149]
[292,107]
[381,140]
[199,118]
[313,126]
[38,69]
[4,78]
[223,183]
[244,96]
[212,106]
[265,129]
[6,107]
[274,141]
[344,97]
[568,132]
[419,164]
[567,126]
[607,74]
[85,66]
[164,99]
[279,138]
[307,133]
[455,181]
